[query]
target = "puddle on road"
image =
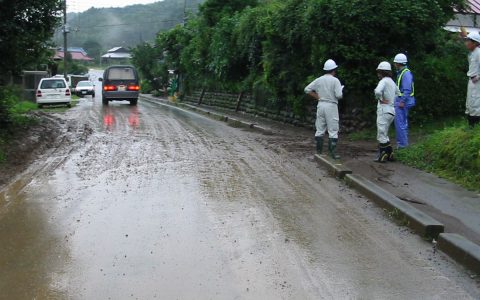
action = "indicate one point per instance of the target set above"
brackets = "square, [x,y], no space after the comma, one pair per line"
[32,254]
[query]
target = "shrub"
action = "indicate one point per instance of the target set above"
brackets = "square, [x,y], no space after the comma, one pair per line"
[12,109]
[8,99]
[453,153]
[280,45]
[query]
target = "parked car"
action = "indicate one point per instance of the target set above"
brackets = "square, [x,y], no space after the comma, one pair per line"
[120,83]
[84,88]
[53,91]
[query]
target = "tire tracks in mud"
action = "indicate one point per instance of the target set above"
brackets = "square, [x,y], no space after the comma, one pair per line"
[278,221]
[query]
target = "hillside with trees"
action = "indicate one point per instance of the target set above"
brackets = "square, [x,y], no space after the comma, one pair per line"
[99,29]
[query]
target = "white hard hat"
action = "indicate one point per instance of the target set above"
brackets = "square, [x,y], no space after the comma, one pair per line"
[474,36]
[385,66]
[400,59]
[330,65]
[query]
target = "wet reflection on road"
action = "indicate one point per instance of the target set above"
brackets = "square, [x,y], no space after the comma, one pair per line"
[33,253]
[160,203]
[114,114]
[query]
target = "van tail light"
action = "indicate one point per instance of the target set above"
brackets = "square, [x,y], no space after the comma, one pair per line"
[109,88]
[67,92]
[39,93]
[133,88]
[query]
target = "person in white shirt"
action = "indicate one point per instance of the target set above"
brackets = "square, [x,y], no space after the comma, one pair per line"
[327,89]
[473,93]
[385,94]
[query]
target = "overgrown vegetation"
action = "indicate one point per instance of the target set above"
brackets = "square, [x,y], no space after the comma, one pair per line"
[453,153]
[12,109]
[26,26]
[274,48]
[13,115]
[419,129]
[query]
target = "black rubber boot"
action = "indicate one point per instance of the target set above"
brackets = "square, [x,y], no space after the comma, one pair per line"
[391,156]
[382,153]
[332,146]
[319,140]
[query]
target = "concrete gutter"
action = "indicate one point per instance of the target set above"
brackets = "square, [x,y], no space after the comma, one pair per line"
[422,223]
[334,166]
[460,249]
[213,115]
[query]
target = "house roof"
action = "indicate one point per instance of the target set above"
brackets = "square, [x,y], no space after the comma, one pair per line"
[75,55]
[117,55]
[74,49]
[474,6]
[118,50]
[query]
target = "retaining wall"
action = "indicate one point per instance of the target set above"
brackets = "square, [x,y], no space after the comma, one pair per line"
[250,105]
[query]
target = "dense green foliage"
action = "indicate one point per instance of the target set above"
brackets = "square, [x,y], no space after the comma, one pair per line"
[154,75]
[25,28]
[453,153]
[13,115]
[12,109]
[93,48]
[274,48]
[124,26]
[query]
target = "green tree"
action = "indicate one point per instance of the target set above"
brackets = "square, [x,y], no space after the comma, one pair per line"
[151,65]
[93,48]
[214,10]
[26,26]
[276,47]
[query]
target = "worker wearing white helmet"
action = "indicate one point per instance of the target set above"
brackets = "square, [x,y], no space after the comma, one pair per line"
[327,89]
[473,92]
[385,94]
[405,100]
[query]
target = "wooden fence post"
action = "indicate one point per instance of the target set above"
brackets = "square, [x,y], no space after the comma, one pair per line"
[239,100]
[201,97]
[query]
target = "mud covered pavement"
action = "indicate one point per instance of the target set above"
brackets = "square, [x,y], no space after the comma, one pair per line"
[155,202]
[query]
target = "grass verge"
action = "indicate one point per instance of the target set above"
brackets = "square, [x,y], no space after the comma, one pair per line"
[452,153]
[417,131]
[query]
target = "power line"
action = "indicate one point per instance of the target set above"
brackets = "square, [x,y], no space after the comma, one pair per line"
[131,24]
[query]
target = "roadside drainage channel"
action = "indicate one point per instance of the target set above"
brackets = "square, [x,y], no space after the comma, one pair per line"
[456,246]
[213,115]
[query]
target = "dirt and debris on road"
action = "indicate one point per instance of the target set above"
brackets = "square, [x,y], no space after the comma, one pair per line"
[28,143]
[162,203]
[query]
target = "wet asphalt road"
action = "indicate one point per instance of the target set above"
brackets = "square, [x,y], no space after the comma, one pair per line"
[154,202]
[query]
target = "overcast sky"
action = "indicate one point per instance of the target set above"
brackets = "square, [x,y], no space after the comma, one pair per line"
[81,5]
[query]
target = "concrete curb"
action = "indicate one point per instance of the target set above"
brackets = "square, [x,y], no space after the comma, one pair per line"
[213,115]
[460,249]
[334,166]
[420,222]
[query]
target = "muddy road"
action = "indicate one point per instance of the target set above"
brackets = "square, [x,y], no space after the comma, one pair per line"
[155,202]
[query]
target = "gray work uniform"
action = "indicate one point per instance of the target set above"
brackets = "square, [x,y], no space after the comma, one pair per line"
[329,89]
[473,91]
[385,91]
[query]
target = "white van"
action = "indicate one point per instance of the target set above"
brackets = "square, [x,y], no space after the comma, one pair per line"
[53,91]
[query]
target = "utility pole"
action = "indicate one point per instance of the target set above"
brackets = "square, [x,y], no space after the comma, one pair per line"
[65,32]
[184,12]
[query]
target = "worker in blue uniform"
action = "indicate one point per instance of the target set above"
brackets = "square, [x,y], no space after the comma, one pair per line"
[405,101]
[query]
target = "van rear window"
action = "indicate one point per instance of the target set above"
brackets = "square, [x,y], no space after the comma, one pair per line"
[53,84]
[121,74]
